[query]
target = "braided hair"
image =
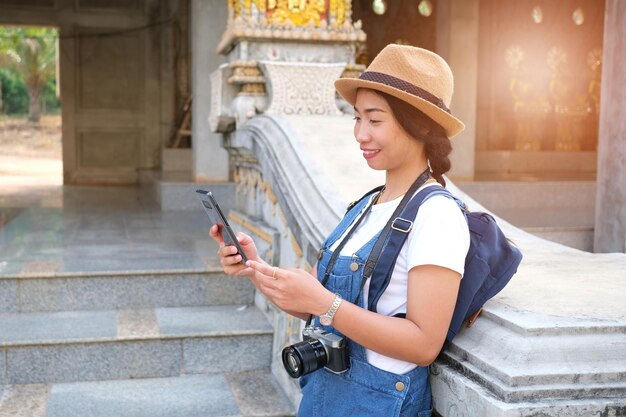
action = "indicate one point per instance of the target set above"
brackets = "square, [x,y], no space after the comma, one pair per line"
[437,146]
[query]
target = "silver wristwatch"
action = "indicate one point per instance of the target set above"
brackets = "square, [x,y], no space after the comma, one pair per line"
[327,318]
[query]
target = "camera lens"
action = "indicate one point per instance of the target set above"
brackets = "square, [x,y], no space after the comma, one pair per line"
[304,357]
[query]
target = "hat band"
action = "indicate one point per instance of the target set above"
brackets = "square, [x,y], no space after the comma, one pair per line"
[405,86]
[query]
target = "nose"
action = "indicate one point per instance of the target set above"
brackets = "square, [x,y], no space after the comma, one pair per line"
[361,132]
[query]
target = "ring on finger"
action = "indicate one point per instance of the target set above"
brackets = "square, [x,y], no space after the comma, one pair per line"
[274,273]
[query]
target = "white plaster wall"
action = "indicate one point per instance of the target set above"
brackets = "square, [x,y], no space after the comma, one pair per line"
[610,234]
[208,22]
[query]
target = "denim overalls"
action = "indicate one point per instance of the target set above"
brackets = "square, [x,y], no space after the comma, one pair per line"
[363,390]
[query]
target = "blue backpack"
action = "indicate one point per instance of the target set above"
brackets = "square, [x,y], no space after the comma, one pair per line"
[491,261]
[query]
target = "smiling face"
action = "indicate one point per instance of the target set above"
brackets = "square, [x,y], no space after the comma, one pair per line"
[385,144]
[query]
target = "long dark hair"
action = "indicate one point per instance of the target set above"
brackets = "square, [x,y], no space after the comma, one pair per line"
[437,146]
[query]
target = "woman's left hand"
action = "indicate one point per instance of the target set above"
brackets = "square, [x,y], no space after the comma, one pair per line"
[292,290]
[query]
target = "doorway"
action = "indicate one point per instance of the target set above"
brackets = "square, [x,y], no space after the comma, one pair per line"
[30,108]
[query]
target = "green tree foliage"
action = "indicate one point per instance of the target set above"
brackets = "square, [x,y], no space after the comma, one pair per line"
[14,92]
[31,53]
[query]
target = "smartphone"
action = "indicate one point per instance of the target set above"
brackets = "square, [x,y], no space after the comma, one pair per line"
[216,216]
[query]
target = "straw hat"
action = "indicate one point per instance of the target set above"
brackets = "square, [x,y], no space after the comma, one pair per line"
[417,76]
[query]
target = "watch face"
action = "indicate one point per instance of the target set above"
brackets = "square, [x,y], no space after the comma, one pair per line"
[325,320]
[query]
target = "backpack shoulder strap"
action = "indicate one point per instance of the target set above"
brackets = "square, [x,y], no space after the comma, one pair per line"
[367,194]
[385,255]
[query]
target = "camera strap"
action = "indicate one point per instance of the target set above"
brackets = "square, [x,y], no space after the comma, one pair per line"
[380,241]
[337,251]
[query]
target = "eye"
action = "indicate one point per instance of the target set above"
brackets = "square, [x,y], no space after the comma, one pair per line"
[357,118]
[374,121]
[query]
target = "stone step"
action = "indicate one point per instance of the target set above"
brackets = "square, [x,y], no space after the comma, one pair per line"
[558,211]
[537,204]
[42,348]
[250,393]
[574,237]
[40,292]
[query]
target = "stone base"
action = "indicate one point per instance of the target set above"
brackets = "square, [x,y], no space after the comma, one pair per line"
[456,395]
[175,190]
[177,159]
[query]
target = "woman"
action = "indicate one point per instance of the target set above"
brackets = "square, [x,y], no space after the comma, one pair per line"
[402,125]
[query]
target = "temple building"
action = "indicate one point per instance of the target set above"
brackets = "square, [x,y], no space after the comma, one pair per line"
[238,95]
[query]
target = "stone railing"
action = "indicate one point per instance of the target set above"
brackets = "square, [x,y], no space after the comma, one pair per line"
[552,343]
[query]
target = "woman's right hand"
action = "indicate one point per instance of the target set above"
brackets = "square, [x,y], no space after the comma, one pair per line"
[229,258]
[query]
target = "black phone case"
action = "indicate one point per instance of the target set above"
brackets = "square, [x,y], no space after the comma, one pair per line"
[212,209]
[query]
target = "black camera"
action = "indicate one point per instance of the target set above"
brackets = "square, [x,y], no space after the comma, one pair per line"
[318,348]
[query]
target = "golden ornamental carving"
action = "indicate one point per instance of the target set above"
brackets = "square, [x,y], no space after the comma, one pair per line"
[302,20]
[513,57]
[234,7]
[353,71]
[594,61]
[248,72]
[270,193]
[253,90]
[570,107]
[249,77]
[298,12]
[295,245]
[568,103]
[530,107]
[332,13]
[294,12]
[338,11]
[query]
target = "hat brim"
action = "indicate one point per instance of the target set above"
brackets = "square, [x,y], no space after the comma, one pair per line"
[347,88]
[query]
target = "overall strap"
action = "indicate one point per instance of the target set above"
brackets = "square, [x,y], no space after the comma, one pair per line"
[370,192]
[337,251]
[400,228]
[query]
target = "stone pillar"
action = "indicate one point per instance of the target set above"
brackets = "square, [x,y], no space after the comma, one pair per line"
[208,22]
[610,227]
[457,42]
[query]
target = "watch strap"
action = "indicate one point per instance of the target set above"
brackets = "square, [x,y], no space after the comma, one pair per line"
[330,314]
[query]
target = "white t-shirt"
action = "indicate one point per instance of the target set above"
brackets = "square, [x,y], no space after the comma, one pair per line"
[439,236]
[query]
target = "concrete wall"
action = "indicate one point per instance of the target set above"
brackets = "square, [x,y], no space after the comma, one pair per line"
[116,112]
[457,42]
[208,22]
[611,198]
